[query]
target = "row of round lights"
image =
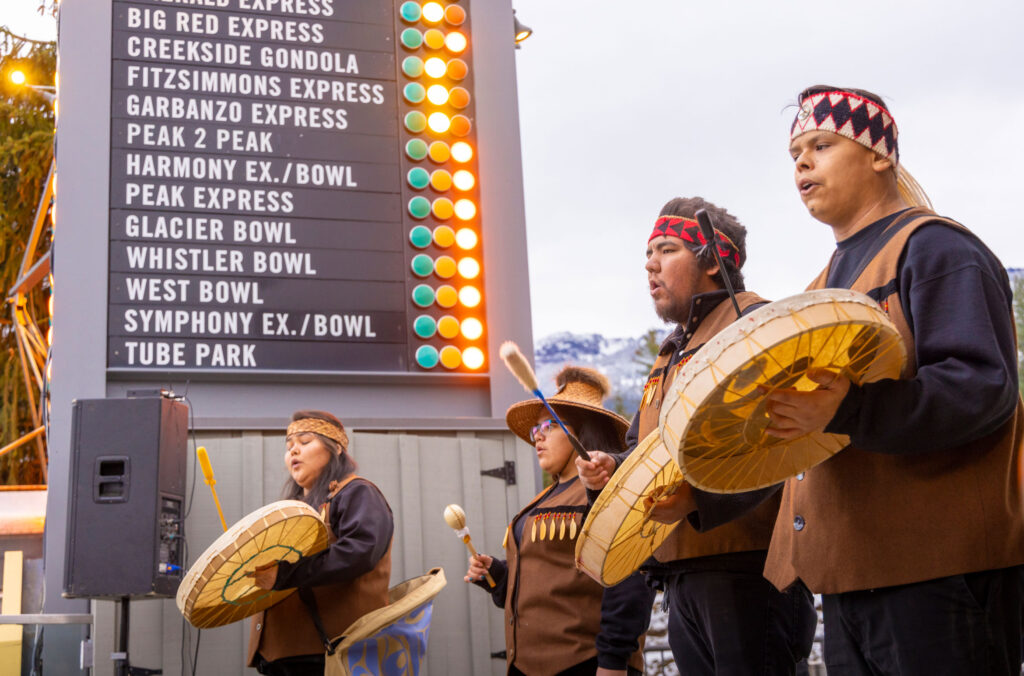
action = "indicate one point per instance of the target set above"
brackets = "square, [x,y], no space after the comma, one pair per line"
[434,75]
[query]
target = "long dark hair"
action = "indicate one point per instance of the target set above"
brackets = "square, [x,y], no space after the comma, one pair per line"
[340,465]
[596,432]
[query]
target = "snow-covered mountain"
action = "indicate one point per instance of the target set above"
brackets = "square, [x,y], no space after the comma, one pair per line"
[616,358]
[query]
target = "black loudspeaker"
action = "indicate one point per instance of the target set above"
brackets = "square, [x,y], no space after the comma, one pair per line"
[126,497]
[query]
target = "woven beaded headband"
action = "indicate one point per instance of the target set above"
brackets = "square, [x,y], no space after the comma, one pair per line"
[849,115]
[689,231]
[322,427]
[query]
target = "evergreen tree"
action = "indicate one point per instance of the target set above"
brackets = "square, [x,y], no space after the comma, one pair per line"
[26,150]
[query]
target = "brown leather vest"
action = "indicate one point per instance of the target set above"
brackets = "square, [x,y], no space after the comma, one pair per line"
[870,520]
[753,530]
[552,610]
[286,628]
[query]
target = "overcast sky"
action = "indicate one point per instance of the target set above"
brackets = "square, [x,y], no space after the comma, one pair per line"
[626,105]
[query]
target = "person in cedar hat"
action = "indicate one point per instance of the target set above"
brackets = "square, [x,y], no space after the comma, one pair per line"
[724,617]
[557,619]
[338,585]
[914,535]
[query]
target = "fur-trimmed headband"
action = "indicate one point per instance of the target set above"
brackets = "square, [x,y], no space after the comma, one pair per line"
[689,231]
[318,426]
[855,117]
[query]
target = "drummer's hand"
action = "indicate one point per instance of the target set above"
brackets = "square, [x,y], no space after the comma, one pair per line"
[596,472]
[674,508]
[601,671]
[478,567]
[264,576]
[794,413]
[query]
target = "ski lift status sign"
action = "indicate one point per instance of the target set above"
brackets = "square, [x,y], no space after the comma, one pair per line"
[294,187]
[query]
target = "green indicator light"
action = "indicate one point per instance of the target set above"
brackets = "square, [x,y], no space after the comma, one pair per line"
[410,12]
[422,265]
[426,356]
[415,122]
[423,295]
[411,38]
[420,238]
[419,178]
[419,207]
[414,92]
[416,149]
[424,326]
[412,66]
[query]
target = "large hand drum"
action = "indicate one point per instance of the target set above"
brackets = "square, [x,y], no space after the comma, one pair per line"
[618,534]
[217,590]
[714,413]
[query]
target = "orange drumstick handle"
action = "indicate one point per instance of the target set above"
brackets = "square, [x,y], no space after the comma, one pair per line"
[204,464]
[472,550]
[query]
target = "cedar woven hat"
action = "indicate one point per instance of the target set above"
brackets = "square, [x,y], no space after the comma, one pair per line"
[579,388]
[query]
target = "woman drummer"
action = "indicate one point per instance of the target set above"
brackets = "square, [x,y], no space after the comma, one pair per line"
[558,620]
[340,584]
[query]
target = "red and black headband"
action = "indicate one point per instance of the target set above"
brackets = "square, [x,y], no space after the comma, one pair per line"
[855,117]
[689,231]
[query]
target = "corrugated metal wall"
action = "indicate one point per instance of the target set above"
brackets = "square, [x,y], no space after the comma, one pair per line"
[419,473]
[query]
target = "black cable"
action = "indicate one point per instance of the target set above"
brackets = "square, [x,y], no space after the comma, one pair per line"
[195,661]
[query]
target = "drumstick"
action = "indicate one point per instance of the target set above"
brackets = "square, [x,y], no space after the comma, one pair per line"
[706,227]
[456,518]
[520,368]
[204,464]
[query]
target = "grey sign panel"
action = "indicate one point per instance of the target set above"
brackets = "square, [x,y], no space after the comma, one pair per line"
[297,295]
[144,226]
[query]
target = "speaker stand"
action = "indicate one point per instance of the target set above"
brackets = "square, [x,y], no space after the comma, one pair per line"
[120,654]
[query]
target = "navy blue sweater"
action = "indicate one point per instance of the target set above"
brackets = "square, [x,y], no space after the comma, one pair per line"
[957,299]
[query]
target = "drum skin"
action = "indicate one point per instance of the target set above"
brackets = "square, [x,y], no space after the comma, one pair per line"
[217,590]
[714,416]
[618,535]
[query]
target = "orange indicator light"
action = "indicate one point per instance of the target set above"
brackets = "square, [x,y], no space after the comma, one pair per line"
[448,327]
[446,296]
[465,209]
[444,267]
[432,12]
[455,42]
[457,97]
[439,122]
[442,208]
[441,180]
[439,151]
[468,296]
[444,236]
[451,357]
[434,39]
[438,95]
[473,358]
[472,328]
[466,238]
[435,67]
[457,69]
[463,180]
[454,15]
[469,268]
[460,125]
[462,152]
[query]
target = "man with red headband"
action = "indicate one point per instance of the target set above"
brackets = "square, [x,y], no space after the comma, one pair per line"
[914,534]
[724,617]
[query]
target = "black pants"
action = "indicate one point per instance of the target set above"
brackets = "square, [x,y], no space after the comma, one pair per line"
[300,665]
[724,623]
[964,624]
